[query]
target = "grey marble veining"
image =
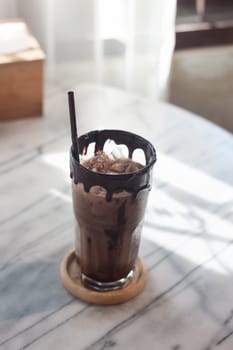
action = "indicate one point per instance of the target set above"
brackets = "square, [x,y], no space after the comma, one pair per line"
[187,240]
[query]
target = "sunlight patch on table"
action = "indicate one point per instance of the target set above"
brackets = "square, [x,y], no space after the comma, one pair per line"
[191,180]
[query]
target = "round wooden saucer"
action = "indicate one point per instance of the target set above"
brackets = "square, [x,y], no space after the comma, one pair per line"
[70,275]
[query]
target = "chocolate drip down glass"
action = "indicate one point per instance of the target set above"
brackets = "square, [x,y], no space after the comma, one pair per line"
[109,222]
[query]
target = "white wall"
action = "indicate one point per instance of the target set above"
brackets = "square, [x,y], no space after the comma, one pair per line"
[138,33]
[36,14]
[8,9]
[74,29]
[69,24]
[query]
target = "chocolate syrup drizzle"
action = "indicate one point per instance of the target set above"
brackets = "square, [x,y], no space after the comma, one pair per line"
[131,182]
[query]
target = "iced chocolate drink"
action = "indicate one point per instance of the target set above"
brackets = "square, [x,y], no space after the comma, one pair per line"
[109,197]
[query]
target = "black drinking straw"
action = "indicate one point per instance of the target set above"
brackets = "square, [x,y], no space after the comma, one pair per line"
[73,127]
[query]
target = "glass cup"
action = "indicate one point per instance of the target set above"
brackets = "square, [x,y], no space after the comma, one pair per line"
[109,211]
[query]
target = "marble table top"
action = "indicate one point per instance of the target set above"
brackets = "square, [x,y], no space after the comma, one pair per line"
[187,239]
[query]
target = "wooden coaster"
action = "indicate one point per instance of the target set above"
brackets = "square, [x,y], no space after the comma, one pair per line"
[70,275]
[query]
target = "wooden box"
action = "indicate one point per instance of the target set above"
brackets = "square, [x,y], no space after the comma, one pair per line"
[21,81]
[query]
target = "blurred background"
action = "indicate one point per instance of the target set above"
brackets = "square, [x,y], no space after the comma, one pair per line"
[176,51]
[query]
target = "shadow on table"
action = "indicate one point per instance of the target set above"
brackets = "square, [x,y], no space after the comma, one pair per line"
[32,287]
